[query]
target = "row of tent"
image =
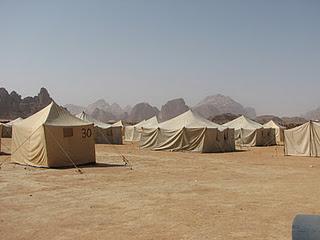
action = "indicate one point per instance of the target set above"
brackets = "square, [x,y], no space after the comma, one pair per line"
[190,131]
[53,137]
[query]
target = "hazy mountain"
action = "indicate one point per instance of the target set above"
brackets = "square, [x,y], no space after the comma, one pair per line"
[313,115]
[13,106]
[142,111]
[172,109]
[220,104]
[102,115]
[74,109]
[266,118]
[224,118]
[99,104]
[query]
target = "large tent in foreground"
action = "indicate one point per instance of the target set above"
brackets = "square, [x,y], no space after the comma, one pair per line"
[303,140]
[103,133]
[279,131]
[52,138]
[251,133]
[188,132]
[133,133]
[7,128]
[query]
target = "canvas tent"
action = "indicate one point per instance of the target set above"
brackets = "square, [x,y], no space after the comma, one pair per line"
[303,140]
[133,133]
[118,124]
[251,133]
[279,131]
[52,138]
[103,133]
[188,132]
[7,128]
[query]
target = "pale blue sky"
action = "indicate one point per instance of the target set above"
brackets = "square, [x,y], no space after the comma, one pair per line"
[264,54]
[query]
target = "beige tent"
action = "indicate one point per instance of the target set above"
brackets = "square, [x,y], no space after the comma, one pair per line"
[103,133]
[303,140]
[279,131]
[7,128]
[189,132]
[132,133]
[118,124]
[251,133]
[52,138]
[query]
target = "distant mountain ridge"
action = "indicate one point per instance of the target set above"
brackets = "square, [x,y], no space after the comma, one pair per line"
[218,104]
[209,107]
[13,105]
[312,115]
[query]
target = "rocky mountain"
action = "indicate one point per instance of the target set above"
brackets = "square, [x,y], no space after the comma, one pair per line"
[142,111]
[172,109]
[313,115]
[103,116]
[266,118]
[291,122]
[224,118]
[99,104]
[74,109]
[220,104]
[13,105]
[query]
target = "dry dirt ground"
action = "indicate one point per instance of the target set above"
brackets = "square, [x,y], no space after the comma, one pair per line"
[252,194]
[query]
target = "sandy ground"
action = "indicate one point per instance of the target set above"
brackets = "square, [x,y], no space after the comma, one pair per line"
[252,194]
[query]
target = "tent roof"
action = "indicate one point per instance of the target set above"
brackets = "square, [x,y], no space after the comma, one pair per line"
[52,115]
[317,124]
[243,122]
[272,124]
[151,122]
[14,121]
[189,119]
[118,124]
[85,117]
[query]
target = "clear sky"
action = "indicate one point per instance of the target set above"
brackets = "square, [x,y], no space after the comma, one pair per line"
[264,54]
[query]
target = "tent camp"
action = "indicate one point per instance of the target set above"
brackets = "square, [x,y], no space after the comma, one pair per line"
[7,128]
[279,131]
[133,133]
[189,132]
[103,133]
[52,138]
[251,133]
[303,140]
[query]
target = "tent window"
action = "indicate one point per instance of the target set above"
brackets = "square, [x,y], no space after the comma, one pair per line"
[67,132]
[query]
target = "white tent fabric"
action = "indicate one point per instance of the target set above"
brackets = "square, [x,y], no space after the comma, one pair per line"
[279,131]
[303,140]
[133,133]
[7,128]
[188,132]
[251,133]
[118,124]
[52,138]
[103,133]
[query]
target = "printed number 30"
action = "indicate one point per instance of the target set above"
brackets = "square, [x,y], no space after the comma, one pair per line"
[86,133]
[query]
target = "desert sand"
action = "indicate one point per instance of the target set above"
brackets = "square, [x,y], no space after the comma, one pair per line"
[250,194]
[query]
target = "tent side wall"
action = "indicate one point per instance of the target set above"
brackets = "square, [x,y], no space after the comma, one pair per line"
[131,133]
[188,139]
[297,141]
[28,147]
[315,140]
[111,135]
[63,143]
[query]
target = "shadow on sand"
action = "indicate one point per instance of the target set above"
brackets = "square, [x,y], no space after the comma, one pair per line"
[4,154]
[101,165]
